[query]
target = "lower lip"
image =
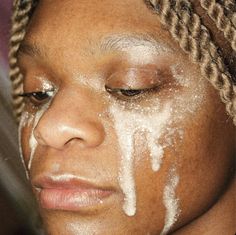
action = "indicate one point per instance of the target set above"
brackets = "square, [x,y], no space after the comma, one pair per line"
[72,199]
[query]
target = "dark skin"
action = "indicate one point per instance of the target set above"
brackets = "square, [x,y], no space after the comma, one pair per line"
[67,35]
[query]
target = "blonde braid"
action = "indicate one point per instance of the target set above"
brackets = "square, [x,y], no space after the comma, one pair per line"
[230,8]
[20,19]
[216,12]
[194,38]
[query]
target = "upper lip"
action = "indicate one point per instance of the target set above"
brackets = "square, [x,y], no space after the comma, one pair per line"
[66,181]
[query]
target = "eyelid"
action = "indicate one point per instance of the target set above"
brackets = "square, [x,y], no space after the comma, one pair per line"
[135,78]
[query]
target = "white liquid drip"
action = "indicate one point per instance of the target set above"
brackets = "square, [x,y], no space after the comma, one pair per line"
[171,202]
[33,145]
[32,141]
[126,175]
[48,87]
[156,152]
[127,123]
[24,119]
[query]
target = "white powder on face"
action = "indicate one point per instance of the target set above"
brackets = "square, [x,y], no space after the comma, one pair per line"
[46,85]
[93,82]
[140,49]
[192,100]
[127,123]
[142,54]
[171,202]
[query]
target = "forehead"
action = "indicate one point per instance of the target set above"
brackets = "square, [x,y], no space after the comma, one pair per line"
[82,24]
[73,32]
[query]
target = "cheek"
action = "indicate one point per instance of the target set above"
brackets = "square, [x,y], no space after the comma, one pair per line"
[143,137]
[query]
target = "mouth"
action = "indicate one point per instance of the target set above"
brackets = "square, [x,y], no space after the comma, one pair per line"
[68,193]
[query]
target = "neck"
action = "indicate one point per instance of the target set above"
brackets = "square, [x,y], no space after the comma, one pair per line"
[219,219]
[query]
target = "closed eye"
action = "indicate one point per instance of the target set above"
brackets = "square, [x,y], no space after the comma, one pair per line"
[128,93]
[125,92]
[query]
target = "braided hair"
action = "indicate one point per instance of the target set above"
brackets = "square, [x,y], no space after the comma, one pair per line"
[185,25]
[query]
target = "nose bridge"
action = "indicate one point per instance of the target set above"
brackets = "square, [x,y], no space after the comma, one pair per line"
[70,117]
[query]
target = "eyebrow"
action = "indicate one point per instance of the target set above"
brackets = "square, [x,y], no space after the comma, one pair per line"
[113,42]
[31,49]
[125,41]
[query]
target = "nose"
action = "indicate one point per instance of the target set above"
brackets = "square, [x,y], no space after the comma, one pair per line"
[62,125]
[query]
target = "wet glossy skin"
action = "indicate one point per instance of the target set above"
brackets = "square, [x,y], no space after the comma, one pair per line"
[76,134]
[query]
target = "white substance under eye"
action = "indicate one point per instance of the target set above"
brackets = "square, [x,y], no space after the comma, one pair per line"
[171,202]
[127,123]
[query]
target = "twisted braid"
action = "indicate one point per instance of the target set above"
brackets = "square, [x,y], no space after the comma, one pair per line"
[20,19]
[194,38]
[216,12]
[230,9]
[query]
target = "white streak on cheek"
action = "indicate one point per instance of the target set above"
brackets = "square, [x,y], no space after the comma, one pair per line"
[171,202]
[127,123]
[26,120]
[126,174]
[33,145]
[32,141]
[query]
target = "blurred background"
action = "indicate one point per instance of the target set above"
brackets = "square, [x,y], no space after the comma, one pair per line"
[18,213]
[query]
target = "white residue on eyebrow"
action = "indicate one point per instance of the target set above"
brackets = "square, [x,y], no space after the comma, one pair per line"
[171,202]
[127,124]
[141,49]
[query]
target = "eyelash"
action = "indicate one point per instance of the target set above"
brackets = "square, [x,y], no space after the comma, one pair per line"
[130,94]
[38,98]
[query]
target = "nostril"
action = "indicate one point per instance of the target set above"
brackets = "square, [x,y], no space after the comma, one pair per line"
[63,132]
[79,141]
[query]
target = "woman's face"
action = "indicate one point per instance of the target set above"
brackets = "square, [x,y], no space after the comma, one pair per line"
[120,134]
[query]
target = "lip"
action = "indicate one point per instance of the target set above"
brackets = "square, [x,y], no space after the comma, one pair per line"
[70,193]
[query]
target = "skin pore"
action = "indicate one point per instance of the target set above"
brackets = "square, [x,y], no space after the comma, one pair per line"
[112,100]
